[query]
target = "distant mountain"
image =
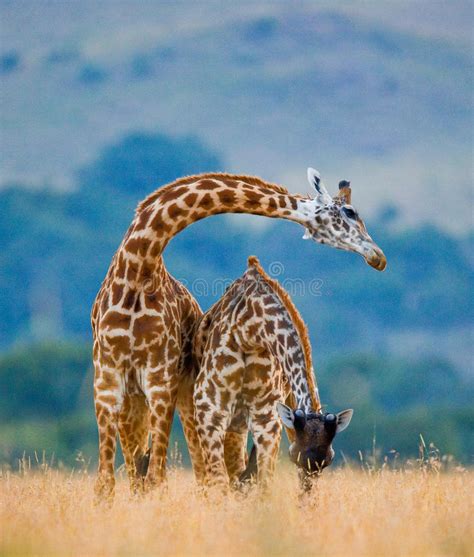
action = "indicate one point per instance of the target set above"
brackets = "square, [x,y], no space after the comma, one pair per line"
[272,88]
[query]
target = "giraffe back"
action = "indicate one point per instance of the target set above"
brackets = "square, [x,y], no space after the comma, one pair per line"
[259,316]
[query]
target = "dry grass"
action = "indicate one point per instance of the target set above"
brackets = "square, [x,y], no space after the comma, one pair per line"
[354,512]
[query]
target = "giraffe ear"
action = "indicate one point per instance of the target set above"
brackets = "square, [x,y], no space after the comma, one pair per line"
[315,182]
[286,414]
[344,419]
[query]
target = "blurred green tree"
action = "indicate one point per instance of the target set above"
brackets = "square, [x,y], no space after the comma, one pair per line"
[141,162]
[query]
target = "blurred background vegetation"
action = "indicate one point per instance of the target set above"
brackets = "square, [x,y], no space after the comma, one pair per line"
[91,125]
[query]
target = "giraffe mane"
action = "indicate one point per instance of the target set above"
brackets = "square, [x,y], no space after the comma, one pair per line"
[298,322]
[186,180]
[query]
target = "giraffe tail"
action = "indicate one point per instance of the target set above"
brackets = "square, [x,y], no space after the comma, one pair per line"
[142,464]
[250,473]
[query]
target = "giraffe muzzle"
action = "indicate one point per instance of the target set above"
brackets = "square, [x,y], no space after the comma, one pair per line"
[376,259]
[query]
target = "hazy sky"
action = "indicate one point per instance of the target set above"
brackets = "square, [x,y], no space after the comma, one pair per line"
[52,123]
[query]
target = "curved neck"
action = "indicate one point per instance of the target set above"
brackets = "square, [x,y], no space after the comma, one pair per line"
[170,209]
[302,387]
[289,337]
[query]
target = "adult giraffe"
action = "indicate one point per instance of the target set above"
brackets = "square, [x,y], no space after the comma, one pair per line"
[143,318]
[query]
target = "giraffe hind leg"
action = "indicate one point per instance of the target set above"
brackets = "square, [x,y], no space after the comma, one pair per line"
[108,397]
[265,425]
[133,432]
[161,394]
[185,406]
[235,445]
[235,455]
[266,433]
[212,420]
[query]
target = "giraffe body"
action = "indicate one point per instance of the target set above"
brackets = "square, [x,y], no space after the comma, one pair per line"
[253,350]
[143,319]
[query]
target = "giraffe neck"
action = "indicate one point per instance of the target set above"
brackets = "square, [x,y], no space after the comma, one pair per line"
[290,337]
[295,370]
[170,209]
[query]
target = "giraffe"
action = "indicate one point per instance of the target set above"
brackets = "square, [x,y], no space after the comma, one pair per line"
[251,348]
[143,318]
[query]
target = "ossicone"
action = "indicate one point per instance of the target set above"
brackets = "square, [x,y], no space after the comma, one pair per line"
[345,191]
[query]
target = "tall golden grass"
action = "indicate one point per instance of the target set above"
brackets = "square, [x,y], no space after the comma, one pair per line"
[414,511]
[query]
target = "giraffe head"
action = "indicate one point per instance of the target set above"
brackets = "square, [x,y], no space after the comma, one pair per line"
[335,222]
[314,433]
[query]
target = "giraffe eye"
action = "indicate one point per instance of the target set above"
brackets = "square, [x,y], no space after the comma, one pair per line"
[350,213]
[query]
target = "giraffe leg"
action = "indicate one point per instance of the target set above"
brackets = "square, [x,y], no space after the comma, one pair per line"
[266,433]
[264,384]
[212,414]
[161,393]
[185,406]
[108,397]
[133,432]
[211,431]
[235,454]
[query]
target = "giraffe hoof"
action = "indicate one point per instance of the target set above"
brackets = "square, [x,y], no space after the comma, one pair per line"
[104,499]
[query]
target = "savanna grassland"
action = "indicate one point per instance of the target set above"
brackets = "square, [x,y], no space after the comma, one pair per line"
[409,512]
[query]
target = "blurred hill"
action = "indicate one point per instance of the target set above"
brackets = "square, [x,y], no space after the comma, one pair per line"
[379,96]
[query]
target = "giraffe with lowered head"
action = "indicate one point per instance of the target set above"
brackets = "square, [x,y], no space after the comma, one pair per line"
[143,318]
[252,350]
